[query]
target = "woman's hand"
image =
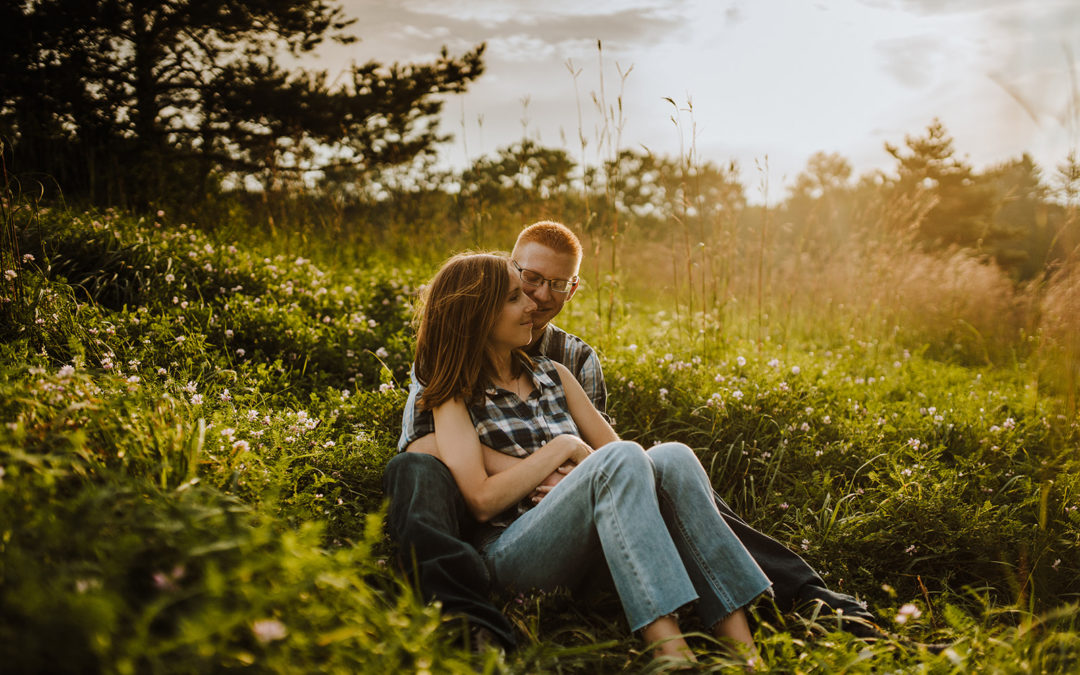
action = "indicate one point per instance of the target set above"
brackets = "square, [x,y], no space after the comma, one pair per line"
[578,449]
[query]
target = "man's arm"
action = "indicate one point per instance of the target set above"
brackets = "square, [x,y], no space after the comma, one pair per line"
[591,378]
[495,462]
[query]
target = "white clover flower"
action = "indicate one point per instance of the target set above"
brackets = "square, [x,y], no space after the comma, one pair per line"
[65,371]
[773,363]
[10,274]
[169,278]
[737,394]
[795,370]
[907,611]
[28,257]
[269,630]
[740,360]
[385,387]
[240,445]
[329,444]
[196,399]
[252,414]
[382,353]
[225,395]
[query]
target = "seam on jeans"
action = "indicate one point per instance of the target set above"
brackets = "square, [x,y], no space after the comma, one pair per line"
[621,537]
[727,602]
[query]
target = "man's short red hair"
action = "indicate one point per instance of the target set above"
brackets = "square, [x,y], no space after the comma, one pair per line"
[555,236]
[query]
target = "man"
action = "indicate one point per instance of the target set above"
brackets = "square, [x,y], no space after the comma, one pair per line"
[427,515]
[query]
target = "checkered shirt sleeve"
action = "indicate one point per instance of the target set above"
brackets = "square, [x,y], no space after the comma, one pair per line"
[580,359]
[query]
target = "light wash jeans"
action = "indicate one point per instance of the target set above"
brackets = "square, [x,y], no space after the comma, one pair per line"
[652,517]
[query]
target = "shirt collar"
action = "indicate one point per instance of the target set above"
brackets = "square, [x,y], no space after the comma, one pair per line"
[541,379]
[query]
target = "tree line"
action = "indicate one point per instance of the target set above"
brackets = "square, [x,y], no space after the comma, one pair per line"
[124,101]
[184,103]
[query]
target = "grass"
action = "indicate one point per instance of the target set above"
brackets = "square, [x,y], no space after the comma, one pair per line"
[194,432]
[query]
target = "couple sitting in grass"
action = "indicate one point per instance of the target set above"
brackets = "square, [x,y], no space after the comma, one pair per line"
[510,476]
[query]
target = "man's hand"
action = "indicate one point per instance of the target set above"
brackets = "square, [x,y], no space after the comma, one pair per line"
[551,481]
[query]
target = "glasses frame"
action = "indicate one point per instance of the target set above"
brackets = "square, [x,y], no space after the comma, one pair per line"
[572,282]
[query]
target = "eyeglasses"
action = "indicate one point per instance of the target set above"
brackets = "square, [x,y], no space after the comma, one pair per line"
[535,280]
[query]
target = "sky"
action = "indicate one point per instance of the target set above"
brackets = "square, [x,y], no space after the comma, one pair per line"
[769,82]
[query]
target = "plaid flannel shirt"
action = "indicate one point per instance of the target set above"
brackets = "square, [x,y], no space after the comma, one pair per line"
[556,344]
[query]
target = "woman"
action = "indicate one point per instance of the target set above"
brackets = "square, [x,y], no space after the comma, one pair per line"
[649,515]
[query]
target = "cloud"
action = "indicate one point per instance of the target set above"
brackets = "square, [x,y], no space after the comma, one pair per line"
[912,61]
[495,12]
[553,22]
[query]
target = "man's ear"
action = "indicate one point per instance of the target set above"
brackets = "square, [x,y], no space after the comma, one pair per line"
[573,289]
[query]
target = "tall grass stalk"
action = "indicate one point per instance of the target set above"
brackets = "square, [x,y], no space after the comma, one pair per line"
[608,147]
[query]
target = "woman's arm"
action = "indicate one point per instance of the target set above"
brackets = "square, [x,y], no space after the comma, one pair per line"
[593,427]
[488,495]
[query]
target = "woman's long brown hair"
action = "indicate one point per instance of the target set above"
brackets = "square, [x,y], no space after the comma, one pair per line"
[457,313]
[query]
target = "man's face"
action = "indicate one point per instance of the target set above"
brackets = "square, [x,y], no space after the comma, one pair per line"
[551,265]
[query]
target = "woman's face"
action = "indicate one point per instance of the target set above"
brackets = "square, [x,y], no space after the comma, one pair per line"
[513,326]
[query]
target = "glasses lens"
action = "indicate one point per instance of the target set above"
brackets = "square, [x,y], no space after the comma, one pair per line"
[531,278]
[561,285]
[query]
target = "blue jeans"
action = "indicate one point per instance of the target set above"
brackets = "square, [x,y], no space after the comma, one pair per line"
[651,517]
[428,521]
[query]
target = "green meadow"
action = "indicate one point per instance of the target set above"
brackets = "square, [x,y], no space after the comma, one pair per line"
[209,263]
[196,417]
